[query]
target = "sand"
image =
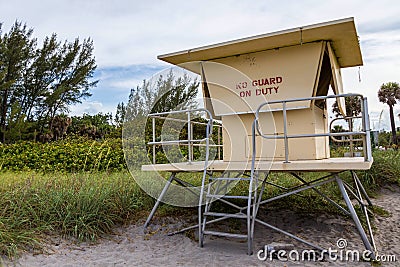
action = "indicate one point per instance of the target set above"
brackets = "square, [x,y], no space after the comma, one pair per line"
[131,246]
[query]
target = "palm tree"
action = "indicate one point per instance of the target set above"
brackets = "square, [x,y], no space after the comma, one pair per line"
[389,93]
[353,107]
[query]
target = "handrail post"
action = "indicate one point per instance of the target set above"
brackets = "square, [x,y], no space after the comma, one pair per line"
[366,128]
[219,142]
[285,133]
[189,138]
[350,121]
[254,126]
[154,140]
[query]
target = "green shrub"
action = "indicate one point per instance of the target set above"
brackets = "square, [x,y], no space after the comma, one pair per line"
[68,155]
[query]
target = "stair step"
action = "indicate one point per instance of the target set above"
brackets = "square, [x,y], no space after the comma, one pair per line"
[225,234]
[227,196]
[229,179]
[229,215]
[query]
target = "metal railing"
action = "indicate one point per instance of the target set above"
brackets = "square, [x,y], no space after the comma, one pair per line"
[190,142]
[365,131]
[350,139]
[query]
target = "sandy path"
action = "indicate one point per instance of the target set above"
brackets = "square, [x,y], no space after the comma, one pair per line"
[129,246]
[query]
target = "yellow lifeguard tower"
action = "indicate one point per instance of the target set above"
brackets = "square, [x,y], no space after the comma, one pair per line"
[270,92]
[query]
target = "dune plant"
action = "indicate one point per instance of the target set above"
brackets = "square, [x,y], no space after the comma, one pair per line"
[84,206]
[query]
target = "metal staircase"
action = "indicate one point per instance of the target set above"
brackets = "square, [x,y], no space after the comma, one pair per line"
[218,188]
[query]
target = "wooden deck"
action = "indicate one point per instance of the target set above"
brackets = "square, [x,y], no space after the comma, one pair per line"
[322,165]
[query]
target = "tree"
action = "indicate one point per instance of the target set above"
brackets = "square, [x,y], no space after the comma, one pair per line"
[120,114]
[166,94]
[15,55]
[173,93]
[353,107]
[93,126]
[70,79]
[389,93]
[39,83]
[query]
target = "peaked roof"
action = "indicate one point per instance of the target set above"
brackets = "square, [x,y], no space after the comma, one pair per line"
[341,33]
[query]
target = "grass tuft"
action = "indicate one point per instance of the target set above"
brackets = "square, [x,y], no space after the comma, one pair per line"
[83,206]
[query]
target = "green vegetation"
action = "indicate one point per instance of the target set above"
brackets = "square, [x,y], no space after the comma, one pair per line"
[86,205]
[385,169]
[82,205]
[67,155]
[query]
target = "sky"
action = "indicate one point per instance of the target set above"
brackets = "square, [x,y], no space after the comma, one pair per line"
[129,34]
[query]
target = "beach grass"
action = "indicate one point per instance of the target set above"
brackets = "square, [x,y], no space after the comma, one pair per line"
[83,206]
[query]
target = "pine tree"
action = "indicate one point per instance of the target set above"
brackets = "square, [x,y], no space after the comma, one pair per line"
[36,84]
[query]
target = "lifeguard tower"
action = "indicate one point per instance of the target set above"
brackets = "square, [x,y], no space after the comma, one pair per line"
[270,92]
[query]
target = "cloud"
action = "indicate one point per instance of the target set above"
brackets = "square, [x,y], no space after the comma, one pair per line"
[115,82]
[381,120]
[134,32]
[114,87]
[88,107]
[125,77]
[381,25]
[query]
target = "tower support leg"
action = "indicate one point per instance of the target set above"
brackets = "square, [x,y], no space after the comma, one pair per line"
[354,216]
[165,189]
